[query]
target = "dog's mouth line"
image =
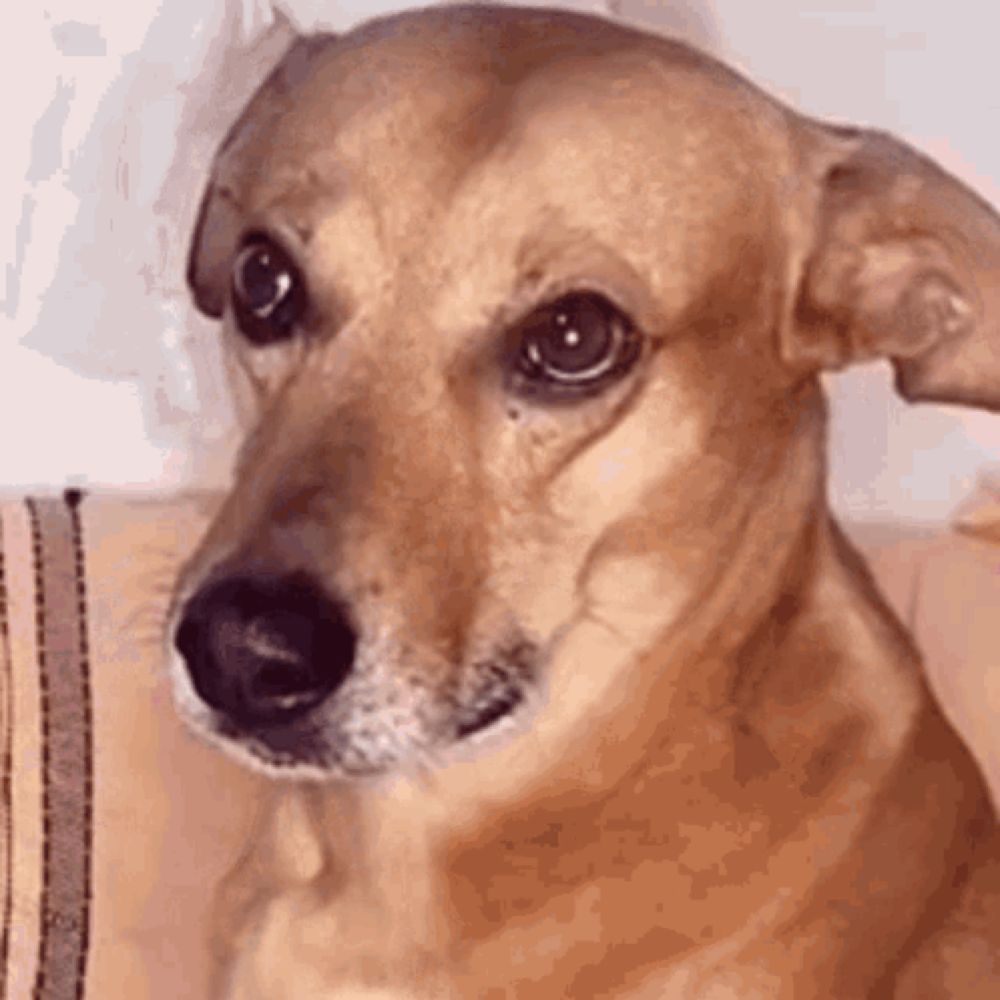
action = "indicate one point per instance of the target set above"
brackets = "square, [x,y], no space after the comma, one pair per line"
[499,689]
[488,711]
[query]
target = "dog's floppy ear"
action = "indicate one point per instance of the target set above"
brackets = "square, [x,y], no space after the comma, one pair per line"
[221,214]
[215,235]
[903,263]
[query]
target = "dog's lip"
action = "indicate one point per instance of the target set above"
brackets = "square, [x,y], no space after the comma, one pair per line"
[475,719]
[282,740]
[496,690]
[289,753]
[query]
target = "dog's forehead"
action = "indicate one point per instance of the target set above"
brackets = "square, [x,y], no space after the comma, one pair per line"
[415,102]
[465,157]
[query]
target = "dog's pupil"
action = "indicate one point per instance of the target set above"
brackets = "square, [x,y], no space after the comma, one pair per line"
[577,342]
[578,339]
[269,298]
[264,280]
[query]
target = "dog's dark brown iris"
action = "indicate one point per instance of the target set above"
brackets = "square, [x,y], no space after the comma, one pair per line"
[268,293]
[578,341]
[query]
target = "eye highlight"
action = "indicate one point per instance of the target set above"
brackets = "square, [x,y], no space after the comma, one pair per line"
[580,341]
[268,294]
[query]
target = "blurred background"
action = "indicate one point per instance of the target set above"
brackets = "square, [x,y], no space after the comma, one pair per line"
[108,378]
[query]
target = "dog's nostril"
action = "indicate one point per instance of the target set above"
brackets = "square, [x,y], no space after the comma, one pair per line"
[265,650]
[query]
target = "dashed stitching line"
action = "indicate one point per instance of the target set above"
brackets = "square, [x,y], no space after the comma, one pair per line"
[73,499]
[45,702]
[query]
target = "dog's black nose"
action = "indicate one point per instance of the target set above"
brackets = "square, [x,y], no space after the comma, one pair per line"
[265,650]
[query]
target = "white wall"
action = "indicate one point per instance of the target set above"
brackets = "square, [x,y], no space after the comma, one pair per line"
[108,377]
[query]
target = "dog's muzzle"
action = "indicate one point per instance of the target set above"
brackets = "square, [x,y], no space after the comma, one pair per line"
[265,650]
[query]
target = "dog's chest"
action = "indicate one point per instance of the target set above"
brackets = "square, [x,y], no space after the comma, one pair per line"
[294,951]
[370,935]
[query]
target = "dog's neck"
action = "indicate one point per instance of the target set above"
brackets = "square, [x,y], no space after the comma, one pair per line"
[772,794]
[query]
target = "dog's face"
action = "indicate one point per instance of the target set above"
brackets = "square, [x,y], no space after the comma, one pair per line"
[527,311]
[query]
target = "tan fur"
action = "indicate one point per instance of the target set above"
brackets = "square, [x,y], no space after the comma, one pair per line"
[731,781]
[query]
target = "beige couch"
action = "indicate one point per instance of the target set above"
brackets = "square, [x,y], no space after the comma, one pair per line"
[117,823]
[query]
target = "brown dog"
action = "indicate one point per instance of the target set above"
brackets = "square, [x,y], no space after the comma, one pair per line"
[528,554]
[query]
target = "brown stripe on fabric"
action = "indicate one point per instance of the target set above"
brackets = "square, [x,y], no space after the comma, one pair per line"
[67,748]
[6,770]
[73,499]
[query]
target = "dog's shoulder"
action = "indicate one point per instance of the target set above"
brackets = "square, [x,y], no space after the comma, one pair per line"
[962,957]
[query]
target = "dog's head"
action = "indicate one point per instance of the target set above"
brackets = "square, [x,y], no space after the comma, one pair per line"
[527,311]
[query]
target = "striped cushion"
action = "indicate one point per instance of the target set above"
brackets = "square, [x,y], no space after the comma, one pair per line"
[116,824]
[54,750]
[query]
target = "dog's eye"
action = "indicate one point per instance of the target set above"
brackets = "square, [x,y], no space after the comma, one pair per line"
[578,341]
[268,294]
